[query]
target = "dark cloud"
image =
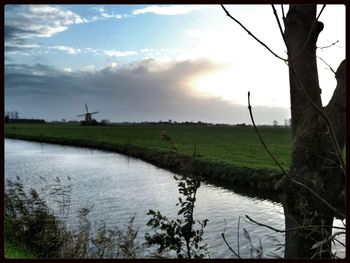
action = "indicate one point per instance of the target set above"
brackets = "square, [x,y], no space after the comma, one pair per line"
[144,91]
[12,32]
[14,40]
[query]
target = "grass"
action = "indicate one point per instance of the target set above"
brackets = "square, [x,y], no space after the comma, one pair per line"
[238,146]
[233,145]
[15,252]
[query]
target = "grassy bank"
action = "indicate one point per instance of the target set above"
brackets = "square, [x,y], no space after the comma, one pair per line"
[224,153]
[15,252]
[234,145]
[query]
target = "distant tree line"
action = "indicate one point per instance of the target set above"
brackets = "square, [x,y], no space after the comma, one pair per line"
[26,121]
[12,114]
[13,117]
[287,123]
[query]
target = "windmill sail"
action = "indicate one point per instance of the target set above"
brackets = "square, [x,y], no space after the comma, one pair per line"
[87,115]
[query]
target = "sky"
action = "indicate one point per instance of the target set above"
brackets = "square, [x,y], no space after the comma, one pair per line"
[136,63]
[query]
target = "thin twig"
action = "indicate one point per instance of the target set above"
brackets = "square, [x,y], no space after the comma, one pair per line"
[319,14]
[337,234]
[329,45]
[225,225]
[319,197]
[283,16]
[239,219]
[328,160]
[279,26]
[341,243]
[261,139]
[291,229]
[330,68]
[253,36]
[230,248]
[343,222]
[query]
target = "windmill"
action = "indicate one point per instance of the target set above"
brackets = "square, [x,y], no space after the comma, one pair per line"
[88,118]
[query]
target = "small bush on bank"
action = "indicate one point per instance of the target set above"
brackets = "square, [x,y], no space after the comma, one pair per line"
[179,235]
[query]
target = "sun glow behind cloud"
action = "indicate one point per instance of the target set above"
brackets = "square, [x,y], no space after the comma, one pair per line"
[231,84]
[244,66]
[215,84]
[194,50]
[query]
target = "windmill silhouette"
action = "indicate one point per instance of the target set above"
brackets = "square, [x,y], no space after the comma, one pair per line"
[88,118]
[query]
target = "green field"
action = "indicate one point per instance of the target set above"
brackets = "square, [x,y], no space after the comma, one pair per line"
[238,146]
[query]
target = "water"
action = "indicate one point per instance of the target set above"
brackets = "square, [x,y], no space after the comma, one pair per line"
[115,187]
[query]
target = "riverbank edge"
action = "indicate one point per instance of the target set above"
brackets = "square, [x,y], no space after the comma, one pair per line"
[211,171]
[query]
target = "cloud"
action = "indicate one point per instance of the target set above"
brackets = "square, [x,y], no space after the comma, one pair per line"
[104,14]
[168,10]
[69,50]
[12,40]
[23,22]
[98,8]
[116,53]
[50,20]
[11,32]
[16,46]
[102,52]
[90,68]
[147,90]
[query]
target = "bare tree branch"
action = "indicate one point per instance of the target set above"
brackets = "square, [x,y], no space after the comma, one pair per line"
[341,243]
[323,7]
[330,68]
[291,229]
[239,221]
[261,139]
[279,26]
[319,197]
[253,36]
[283,16]
[329,45]
[229,247]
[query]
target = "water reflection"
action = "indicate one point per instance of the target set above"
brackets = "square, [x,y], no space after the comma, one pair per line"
[116,187]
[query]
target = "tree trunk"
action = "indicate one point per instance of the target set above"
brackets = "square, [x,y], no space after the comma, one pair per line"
[314,163]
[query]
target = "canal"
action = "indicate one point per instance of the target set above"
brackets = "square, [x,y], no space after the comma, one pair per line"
[115,187]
